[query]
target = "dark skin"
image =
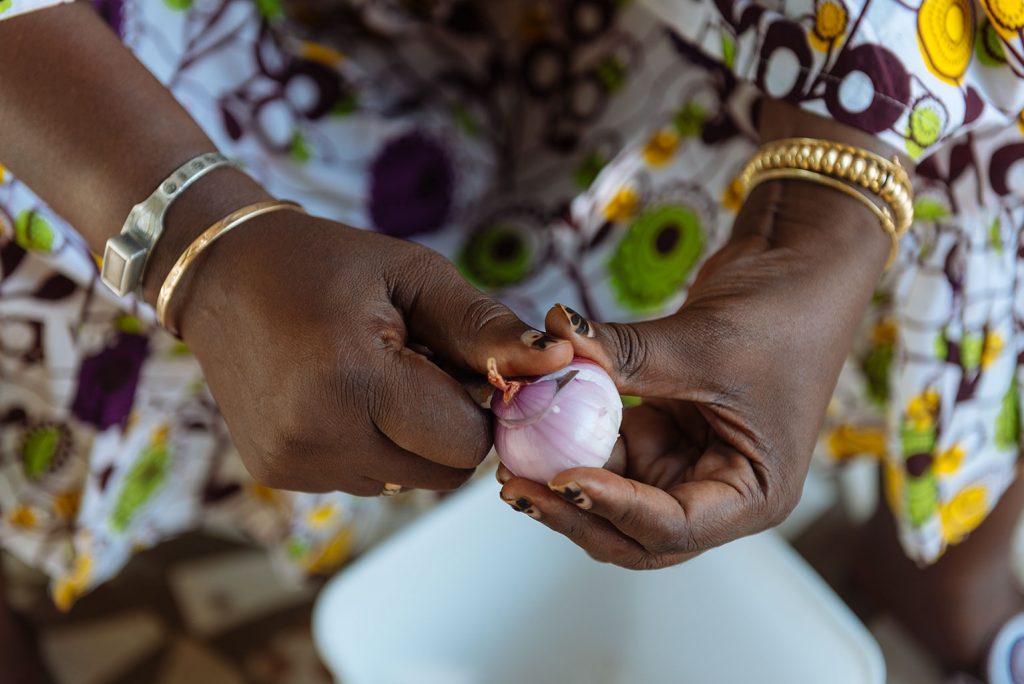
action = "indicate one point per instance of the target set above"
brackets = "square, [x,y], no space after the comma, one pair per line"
[313,335]
[735,384]
[310,332]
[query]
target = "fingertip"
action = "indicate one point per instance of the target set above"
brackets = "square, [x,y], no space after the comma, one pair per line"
[584,335]
[580,475]
[522,359]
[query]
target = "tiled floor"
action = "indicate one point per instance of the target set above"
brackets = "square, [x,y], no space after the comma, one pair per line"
[197,610]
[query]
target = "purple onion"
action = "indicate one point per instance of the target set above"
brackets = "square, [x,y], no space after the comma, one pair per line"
[566,419]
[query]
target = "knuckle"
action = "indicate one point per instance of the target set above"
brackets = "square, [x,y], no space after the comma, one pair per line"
[633,350]
[643,559]
[277,461]
[782,506]
[483,312]
[454,481]
[268,471]
[576,530]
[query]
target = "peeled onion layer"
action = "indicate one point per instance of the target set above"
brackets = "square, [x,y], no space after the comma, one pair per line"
[567,419]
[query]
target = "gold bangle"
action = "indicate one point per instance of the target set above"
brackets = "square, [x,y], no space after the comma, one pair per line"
[883,215]
[884,178]
[207,238]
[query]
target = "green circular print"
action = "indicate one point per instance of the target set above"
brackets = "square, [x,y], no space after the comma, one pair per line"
[497,256]
[654,259]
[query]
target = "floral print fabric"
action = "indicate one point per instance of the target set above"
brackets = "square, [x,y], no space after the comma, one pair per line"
[580,151]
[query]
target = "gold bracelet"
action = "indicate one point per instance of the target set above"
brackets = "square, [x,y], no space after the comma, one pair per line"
[207,238]
[882,213]
[842,164]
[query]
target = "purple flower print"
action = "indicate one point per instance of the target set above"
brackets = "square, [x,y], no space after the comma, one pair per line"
[112,12]
[411,186]
[107,381]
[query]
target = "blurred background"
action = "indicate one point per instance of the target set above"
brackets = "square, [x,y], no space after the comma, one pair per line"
[207,608]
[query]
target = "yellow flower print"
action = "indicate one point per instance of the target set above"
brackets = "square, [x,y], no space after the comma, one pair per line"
[1007,16]
[964,513]
[23,516]
[322,54]
[830,17]
[661,147]
[333,554]
[66,504]
[892,478]
[732,198]
[922,409]
[622,205]
[322,516]
[884,332]
[264,494]
[945,36]
[6,5]
[70,587]
[160,434]
[1020,121]
[3,173]
[847,441]
[993,348]
[948,461]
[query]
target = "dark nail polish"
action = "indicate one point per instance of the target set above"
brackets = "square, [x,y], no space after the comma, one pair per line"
[580,325]
[536,339]
[523,505]
[572,493]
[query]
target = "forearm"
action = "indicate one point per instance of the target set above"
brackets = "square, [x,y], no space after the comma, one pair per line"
[92,132]
[819,250]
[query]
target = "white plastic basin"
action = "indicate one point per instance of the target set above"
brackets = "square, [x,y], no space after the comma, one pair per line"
[475,593]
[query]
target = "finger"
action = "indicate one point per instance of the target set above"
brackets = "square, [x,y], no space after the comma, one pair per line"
[503,474]
[394,465]
[466,327]
[425,411]
[648,359]
[691,517]
[593,534]
[617,462]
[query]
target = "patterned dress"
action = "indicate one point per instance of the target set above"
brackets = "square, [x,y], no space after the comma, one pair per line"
[581,151]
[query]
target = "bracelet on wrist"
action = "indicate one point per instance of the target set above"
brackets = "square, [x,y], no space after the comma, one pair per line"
[200,244]
[126,255]
[856,172]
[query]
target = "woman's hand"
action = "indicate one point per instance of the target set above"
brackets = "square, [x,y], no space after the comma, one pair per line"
[313,336]
[735,385]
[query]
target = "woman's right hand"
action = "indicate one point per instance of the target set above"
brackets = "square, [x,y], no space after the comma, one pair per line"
[305,330]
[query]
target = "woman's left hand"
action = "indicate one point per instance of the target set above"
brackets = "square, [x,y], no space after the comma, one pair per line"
[734,385]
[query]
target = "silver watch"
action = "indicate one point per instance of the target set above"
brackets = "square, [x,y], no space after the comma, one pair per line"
[125,256]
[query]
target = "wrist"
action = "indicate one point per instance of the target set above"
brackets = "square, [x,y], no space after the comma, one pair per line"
[822,227]
[207,201]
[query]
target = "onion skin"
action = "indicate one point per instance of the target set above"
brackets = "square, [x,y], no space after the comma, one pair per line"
[566,419]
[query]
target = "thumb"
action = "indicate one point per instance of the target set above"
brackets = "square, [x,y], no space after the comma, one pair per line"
[649,359]
[465,327]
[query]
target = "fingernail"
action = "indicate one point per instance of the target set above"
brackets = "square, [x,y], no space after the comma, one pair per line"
[502,475]
[535,339]
[523,505]
[580,325]
[573,493]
